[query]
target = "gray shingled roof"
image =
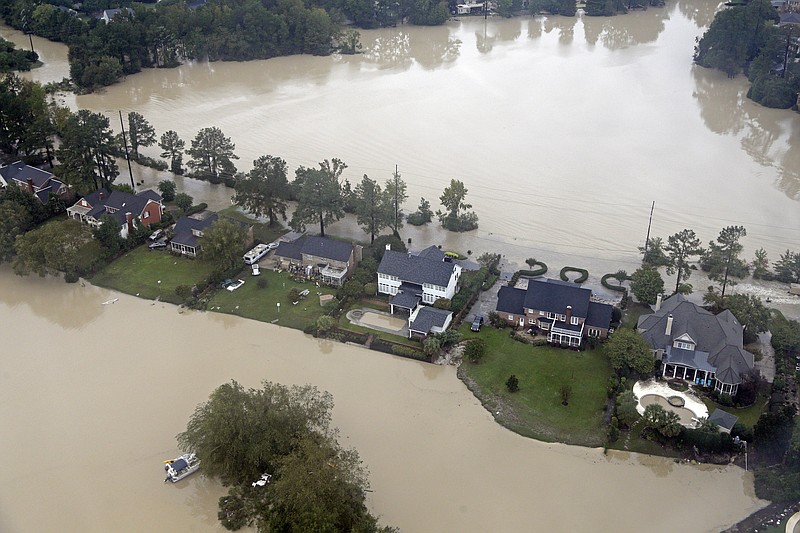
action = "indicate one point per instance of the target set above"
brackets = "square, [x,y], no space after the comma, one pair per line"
[290,250]
[555,297]
[327,248]
[21,172]
[431,252]
[510,300]
[720,336]
[723,419]
[406,300]
[427,318]
[416,269]
[185,225]
[599,315]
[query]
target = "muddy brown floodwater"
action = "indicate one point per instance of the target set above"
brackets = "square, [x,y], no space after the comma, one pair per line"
[92,396]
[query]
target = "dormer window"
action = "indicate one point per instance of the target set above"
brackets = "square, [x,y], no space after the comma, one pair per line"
[574,321]
[683,345]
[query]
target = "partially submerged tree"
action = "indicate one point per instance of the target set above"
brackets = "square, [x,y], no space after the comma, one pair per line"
[374,209]
[396,191]
[14,221]
[653,254]
[319,198]
[212,154]
[52,248]
[184,201]
[87,152]
[721,259]
[140,132]
[681,247]
[172,148]
[167,189]
[264,190]
[457,216]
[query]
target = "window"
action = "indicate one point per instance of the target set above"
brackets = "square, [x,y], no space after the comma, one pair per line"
[541,313]
[531,321]
[511,317]
[146,214]
[549,315]
[574,321]
[684,345]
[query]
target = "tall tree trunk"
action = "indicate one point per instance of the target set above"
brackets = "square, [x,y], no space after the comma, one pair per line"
[321,225]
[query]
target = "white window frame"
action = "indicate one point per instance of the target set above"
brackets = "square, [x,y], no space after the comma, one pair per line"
[574,321]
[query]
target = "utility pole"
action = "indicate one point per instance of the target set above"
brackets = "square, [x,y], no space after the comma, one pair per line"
[127,156]
[650,223]
[396,175]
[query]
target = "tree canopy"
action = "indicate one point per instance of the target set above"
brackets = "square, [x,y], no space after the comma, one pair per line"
[223,244]
[721,259]
[374,209]
[320,196]
[87,152]
[140,132]
[212,154]
[627,350]
[680,248]
[457,216]
[647,284]
[240,434]
[172,148]
[263,191]
[51,248]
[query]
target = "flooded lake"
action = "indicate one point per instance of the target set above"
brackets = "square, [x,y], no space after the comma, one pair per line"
[92,396]
[563,129]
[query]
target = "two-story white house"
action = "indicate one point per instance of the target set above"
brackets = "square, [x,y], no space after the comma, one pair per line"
[414,279]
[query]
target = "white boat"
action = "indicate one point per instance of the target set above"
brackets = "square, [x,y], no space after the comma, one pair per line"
[180,467]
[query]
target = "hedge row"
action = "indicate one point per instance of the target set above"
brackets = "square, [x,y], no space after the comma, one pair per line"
[584,274]
[619,288]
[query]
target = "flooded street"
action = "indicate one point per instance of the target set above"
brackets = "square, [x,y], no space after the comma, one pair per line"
[92,395]
[563,129]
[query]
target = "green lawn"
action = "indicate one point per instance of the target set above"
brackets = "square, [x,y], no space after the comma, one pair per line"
[747,415]
[632,313]
[536,409]
[152,274]
[250,301]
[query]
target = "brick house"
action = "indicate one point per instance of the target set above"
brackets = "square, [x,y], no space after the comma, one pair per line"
[562,309]
[36,181]
[144,208]
[334,261]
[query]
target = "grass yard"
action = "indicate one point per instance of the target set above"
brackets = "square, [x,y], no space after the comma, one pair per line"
[631,315]
[250,301]
[536,409]
[747,415]
[139,271]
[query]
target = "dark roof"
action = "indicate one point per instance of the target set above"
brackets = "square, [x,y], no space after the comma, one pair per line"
[21,172]
[327,248]
[126,202]
[416,269]
[93,198]
[431,252]
[406,300]
[429,317]
[723,419]
[790,18]
[150,194]
[599,315]
[555,297]
[317,246]
[185,225]
[291,250]
[510,300]
[691,358]
[720,336]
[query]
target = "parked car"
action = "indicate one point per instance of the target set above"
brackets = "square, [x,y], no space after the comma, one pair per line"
[154,245]
[272,246]
[225,283]
[156,234]
[477,322]
[235,285]
[256,269]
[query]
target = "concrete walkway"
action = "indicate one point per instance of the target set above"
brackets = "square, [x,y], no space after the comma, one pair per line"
[791,524]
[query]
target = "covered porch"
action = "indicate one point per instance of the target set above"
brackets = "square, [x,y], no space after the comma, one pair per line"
[566,335]
[332,275]
[408,297]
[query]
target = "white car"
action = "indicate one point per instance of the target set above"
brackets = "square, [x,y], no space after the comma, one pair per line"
[256,269]
[272,246]
[235,285]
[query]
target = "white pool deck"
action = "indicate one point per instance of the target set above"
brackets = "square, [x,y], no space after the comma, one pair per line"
[691,402]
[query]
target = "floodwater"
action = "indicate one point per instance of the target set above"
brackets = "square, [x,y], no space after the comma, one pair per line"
[564,130]
[92,395]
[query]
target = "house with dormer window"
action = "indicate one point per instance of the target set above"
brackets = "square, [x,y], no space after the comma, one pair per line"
[40,183]
[696,345]
[562,309]
[129,210]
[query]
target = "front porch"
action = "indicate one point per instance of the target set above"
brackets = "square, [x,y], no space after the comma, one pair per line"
[566,335]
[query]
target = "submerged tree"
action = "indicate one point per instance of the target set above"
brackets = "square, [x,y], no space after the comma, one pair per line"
[320,196]
[172,148]
[264,190]
[396,191]
[212,154]
[722,257]
[681,247]
[374,208]
[457,216]
[140,132]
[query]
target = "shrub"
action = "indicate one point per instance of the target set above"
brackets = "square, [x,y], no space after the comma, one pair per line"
[584,274]
[442,303]
[294,295]
[475,350]
[324,324]
[459,301]
[431,346]
[407,351]
[496,320]
[71,277]
[512,383]
[370,289]
[262,283]
[183,291]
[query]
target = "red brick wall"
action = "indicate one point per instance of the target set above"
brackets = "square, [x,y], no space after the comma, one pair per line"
[154,215]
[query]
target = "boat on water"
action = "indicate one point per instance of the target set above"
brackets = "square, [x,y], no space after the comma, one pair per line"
[181,467]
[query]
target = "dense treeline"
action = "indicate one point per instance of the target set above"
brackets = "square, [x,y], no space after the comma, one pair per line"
[236,30]
[13,59]
[746,39]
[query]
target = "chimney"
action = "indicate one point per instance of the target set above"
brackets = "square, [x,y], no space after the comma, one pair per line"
[668,331]
[129,220]
[569,313]
[388,246]
[102,196]
[658,301]
[30,185]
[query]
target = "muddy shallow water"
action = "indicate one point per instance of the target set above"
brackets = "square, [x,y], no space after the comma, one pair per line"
[92,395]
